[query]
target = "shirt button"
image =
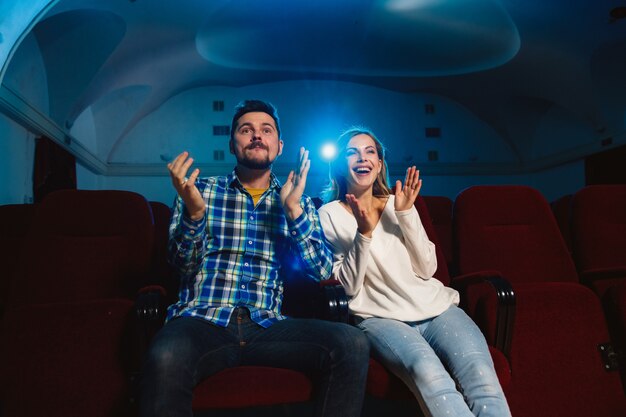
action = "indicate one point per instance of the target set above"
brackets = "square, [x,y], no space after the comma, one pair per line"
[246,264]
[293,233]
[193,232]
[251,217]
[249,242]
[243,287]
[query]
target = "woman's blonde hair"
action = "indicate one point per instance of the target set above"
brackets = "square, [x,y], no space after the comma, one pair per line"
[337,186]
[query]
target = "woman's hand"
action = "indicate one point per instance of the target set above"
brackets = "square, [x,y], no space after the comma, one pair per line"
[406,195]
[365,219]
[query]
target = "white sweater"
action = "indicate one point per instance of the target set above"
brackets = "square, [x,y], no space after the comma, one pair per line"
[390,274]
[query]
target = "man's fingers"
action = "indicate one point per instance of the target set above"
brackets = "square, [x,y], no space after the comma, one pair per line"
[193,177]
[302,160]
[178,161]
[304,172]
[182,171]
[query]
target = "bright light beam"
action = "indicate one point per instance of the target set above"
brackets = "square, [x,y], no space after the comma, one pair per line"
[329,151]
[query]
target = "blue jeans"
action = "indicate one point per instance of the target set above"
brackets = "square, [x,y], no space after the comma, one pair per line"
[445,362]
[187,350]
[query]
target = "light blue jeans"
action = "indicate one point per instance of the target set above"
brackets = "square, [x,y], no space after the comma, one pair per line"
[445,362]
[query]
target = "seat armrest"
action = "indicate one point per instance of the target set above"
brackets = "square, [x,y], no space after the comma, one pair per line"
[150,308]
[475,290]
[150,302]
[334,301]
[305,297]
[150,311]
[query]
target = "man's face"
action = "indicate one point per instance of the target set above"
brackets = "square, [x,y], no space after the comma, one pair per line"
[255,141]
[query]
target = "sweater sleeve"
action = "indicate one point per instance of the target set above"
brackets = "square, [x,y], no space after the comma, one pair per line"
[421,249]
[349,266]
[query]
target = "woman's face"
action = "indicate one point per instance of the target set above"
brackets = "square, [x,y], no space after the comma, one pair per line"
[363,163]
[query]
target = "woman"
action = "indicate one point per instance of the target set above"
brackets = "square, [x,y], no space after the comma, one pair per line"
[385,261]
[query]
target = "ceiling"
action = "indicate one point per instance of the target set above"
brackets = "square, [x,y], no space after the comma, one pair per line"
[507,61]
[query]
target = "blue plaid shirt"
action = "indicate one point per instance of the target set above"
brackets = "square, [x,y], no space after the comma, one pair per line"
[234,255]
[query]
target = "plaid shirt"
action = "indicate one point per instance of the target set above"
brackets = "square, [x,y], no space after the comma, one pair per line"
[232,257]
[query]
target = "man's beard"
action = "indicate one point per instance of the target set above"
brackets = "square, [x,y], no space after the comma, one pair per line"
[263,163]
[255,164]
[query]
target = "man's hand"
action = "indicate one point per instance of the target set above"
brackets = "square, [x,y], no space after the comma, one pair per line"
[186,187]
[293,189]
[406,195]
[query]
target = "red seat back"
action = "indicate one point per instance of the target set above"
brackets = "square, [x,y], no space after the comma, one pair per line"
[599,227]
[16,220]
[562,210]
[440,210]
[510,229]
[86,245]
[66,348]
[556,365]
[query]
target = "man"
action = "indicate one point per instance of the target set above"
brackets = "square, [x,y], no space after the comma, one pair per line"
[229,237]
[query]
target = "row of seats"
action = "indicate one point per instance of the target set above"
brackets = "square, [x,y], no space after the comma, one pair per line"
[555,333]
[86,287]
[592,223]
[70,340]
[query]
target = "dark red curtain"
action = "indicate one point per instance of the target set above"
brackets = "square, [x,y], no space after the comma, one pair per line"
[55,168]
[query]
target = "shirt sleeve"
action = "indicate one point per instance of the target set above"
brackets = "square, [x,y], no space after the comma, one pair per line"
[187,241]
[349,267]
[308,237]
[421,250]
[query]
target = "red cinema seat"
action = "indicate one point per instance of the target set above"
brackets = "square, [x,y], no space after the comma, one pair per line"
[16,219]
[440,211]
[599,245]
[557,366]
[65,332]
[562,210]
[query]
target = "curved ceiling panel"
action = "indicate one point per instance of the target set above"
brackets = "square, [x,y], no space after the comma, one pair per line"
[380,38]
[111,114]
[74,45]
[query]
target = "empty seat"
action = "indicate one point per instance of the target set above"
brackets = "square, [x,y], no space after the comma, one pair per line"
[67,328]
[556,362]
[161,271]
[599,235]
[440,211]
[562,210]
[599,246]
[16,219]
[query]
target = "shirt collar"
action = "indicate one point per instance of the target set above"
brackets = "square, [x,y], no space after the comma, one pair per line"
[233,181]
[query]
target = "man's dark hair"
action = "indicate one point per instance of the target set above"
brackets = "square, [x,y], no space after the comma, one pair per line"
[248,106]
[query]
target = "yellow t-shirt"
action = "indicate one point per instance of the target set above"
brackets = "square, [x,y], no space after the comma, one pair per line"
[256,193]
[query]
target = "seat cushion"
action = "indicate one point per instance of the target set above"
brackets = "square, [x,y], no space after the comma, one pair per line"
[66,359]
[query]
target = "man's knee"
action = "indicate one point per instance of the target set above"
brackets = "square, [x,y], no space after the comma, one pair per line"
[163,358]
[349,340]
